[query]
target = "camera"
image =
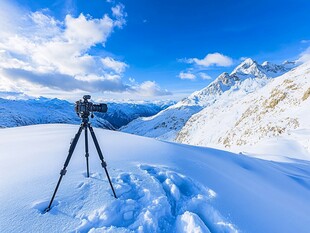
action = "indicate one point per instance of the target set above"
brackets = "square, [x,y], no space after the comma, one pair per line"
[83,107]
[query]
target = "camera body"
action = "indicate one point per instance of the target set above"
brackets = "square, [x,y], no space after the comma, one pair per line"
[83,108]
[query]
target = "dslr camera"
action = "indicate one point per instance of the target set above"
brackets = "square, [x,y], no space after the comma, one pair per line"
[83,108]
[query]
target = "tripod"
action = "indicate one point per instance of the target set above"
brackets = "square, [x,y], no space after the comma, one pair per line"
[84,125]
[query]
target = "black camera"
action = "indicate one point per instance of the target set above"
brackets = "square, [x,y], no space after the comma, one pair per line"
[83,107]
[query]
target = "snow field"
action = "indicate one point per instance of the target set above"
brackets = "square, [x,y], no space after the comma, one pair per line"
[161,187]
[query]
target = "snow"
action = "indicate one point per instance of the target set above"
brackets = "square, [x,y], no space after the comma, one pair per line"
[161,186]
[164,125]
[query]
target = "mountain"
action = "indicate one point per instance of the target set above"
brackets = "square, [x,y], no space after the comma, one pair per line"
[160,186]
[44,110]
[120,114]
[278,111]
[166,124]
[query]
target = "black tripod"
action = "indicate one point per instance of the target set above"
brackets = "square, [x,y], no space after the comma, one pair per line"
[84,125]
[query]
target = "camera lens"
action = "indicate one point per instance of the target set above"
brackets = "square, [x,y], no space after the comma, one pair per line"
[100,108]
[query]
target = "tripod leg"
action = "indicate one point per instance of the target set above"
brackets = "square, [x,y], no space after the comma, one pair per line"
[86,150]
[103,163]
[64,170]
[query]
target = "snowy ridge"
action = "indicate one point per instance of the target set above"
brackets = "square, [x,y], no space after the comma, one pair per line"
[267,69]
[161,187]
[43,110]
[248,69]
[167,123]
[278,111]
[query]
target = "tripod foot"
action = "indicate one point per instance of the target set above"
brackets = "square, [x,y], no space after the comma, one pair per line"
[46,210]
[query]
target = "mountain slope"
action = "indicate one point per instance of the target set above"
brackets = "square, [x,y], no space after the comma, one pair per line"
[161,187]
[167,123]
[237,121]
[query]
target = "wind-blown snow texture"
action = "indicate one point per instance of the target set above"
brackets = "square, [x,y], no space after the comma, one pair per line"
[43,111]
[258,122]
[167,123]
[161,186]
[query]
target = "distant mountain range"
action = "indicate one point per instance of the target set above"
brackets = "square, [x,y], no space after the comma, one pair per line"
[246,78]
[43,110]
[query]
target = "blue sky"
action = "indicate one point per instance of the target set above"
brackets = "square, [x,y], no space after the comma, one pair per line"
[141,49]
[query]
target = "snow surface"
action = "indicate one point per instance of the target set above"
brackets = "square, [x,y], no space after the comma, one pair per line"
[161,186]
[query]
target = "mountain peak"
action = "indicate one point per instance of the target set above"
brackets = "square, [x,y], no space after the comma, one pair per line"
[266,63]
[245,66]
[289,64]
[248,61]
[268,66]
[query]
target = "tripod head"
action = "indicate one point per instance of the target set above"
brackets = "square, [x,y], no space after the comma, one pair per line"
[84,108]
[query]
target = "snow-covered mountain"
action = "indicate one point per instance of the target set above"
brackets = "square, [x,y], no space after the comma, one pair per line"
[44,110]
[167,123]
[278,111]
[161,187]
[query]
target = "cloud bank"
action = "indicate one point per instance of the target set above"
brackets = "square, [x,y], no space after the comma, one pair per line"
[39,52]
[186,75]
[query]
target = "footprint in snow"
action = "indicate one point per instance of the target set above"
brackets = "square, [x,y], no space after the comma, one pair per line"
[156,199]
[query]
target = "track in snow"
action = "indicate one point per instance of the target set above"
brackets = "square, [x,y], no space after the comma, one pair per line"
[151,199]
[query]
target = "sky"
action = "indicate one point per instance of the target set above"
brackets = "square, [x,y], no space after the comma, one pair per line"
[142,49]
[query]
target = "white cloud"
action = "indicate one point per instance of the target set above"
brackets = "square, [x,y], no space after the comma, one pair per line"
[40,55]
[118,10]
[13,95]
[51,46]
[40,49]
[187,75]
[119,13]
[116,66]
[132,80]
[9,17]
[151,88]
[87,31]
[212,59]
[304,56]
[204,76]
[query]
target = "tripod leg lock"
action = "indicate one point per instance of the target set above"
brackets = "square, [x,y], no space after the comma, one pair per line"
[104,164]
[63,172]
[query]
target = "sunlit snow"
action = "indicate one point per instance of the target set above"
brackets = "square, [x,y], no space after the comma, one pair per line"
[161,186]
